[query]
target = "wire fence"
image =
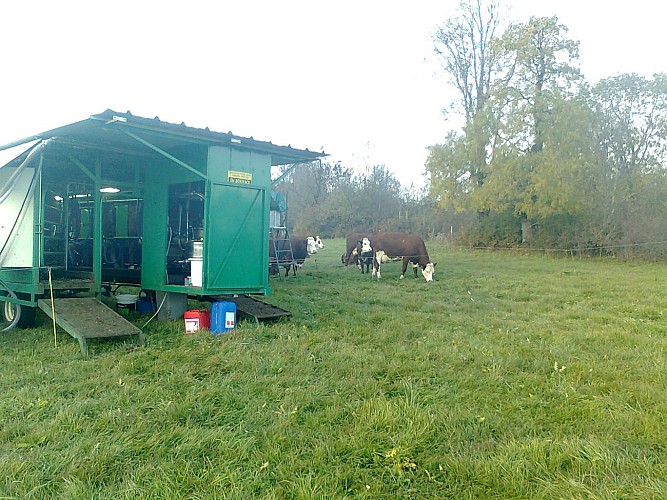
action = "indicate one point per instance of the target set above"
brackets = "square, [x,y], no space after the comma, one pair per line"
[601,250]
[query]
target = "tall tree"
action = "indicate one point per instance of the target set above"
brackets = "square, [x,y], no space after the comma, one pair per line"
[633,115]
[632,139]
[466,44]
[539,165]
[557,178]
[544,71]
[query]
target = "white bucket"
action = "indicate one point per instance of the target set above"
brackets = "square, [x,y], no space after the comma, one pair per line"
[126,301]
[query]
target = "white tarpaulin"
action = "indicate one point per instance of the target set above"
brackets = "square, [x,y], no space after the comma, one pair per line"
[7,155]
[17,220]
[16,209]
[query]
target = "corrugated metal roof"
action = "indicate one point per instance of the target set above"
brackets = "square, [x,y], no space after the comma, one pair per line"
[106,132]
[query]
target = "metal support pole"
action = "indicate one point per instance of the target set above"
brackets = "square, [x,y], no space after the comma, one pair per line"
[97,232]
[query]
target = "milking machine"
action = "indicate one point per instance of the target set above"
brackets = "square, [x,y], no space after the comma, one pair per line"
[186,234]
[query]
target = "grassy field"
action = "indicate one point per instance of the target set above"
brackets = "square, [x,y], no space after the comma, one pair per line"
[510,376]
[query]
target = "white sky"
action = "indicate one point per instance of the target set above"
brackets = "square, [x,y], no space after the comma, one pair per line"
[356,78]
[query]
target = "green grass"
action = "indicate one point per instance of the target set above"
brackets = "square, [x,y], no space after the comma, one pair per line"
[510,376]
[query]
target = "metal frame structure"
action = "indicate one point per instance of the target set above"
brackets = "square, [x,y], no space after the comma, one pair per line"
[188,216]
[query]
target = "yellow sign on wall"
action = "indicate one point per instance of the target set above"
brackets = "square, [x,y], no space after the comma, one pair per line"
[239,177]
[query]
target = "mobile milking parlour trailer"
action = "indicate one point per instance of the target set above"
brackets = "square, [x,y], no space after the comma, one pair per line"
[119,199]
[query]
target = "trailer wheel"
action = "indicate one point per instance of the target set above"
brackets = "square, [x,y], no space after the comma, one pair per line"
[10,314]
[28,315]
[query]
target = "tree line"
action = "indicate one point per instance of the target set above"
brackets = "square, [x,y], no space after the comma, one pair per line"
[542,158]
[331,200]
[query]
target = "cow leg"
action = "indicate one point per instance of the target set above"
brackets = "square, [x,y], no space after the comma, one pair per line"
[405,266]
[350,259]
[414,269]
[376,264]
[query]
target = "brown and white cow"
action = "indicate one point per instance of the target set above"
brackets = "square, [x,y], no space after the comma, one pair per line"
[409,247]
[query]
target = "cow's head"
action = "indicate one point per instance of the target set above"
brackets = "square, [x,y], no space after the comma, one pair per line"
[365,246]
[318,242]
[311,246]
[428,271]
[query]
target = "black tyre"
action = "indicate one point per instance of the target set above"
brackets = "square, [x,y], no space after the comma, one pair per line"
[27,319]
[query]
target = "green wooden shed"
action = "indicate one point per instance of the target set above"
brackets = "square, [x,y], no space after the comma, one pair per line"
[120,199]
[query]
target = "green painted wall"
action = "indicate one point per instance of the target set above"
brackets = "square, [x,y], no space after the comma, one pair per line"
[221,160]
[236,243]
[236,219]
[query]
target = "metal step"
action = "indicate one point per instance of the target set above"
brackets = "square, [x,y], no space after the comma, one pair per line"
[88,318]
[256,309]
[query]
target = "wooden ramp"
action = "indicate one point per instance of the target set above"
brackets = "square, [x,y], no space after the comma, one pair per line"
[88,318]
[256,309]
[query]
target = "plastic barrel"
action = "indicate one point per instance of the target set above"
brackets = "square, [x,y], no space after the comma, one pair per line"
[146,305]
[223,317]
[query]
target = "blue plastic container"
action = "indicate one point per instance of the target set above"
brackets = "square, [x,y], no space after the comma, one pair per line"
[146,306]
[223,317]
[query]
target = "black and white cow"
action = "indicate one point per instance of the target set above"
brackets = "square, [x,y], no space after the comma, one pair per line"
[301,248]
[364,252]
[409,247]
[351,242]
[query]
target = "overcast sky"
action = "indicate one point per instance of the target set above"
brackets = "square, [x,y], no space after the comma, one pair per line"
[356,78]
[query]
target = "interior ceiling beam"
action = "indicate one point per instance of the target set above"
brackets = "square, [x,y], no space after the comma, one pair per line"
[163,153]
[83,168]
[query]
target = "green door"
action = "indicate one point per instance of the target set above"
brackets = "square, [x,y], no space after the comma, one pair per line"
[236,243]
